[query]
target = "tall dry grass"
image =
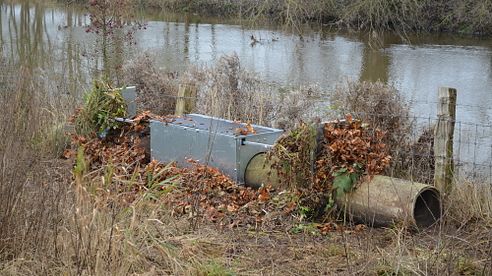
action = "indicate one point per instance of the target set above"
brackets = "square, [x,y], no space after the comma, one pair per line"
[226,90]
[156,89]
[402,16]
[229,91]
[29,190]
[52,223]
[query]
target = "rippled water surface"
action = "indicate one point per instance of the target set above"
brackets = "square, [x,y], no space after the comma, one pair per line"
[29,30]
[35,32]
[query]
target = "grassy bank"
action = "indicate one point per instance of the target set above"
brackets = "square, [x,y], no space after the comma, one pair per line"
[468,16]
[96,219]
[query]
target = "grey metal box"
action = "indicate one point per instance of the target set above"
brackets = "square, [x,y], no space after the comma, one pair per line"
[129,94]
[211,141]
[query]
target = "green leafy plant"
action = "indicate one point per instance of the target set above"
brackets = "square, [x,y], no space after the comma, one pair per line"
[305,212]
[214,268]
[102,104]
[309,228]
[330,204]
[345,179]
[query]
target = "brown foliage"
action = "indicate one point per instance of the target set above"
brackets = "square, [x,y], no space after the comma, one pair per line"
[309,162]
[196,190]
[350,142]
[382,107]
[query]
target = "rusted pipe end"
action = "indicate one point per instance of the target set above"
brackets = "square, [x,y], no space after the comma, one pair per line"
[427,207]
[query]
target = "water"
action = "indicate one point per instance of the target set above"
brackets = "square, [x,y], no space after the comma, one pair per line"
[35,32]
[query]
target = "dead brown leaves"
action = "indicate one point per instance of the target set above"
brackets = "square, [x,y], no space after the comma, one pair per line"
[204,193]
[330,227]
[196,190]
[245,130]
[349,142]
[209,194]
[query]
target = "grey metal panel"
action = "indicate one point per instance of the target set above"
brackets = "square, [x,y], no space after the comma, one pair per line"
[169,143]
[210,141]
[130,95]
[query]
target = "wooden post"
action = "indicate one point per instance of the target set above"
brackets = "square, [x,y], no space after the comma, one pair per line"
[186,101]
[443,140]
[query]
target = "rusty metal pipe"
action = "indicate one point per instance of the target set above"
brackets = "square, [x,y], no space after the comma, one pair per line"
[385,200]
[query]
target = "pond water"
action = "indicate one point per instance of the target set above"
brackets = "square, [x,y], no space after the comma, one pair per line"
[36,31]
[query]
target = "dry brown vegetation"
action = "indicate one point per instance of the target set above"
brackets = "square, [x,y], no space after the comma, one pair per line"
[382,107]
[225,90]
[156,88]
[468,16]
[55,219]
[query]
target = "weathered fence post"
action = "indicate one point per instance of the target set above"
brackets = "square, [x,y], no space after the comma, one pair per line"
[186,100]
[443,140]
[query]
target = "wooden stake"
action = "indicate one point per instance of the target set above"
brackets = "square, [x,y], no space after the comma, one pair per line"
[186,101]
[443,140]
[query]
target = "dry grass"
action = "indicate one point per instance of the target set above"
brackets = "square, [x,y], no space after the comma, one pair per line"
[31,131]
[377,104]
[156,89]
[398,15]
[470,202]
[401,16]
[229,91]
[225,90]
[53,225]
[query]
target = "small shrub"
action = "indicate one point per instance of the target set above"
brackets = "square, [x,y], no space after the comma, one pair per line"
[294,155]
[399,15]
[229,91]
[233,93]
[376,104]
[102,104]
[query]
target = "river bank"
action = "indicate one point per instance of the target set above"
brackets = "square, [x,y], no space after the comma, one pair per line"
[61,217]
[401,16]
[66,216]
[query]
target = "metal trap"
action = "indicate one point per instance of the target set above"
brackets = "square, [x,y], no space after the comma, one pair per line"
[212,141]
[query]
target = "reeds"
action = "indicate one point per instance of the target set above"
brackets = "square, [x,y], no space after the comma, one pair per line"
[401,16]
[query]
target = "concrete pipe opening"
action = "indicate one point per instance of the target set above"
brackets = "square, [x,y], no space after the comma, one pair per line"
[259,171]
[427,208]
[384,200]
[380,201]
